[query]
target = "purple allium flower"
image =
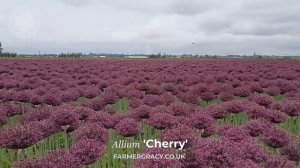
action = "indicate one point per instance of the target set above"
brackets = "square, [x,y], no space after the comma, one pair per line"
[234,133]
[279,162]
[291,107]
[60,158]
[217,153]
[275,116]
[292,150]
[217,111]
[48,127]
[200,120]
[20,136]
[255,127]
[275,137]
[23,96]
[255,87]
[262,100]
[253,152]
[246,164]
[161,120]
[189,97]
[87,151]
[255,111]
[70,95]
[275,106]
[272,90]
[37,114]
[207,96]
[226,96]
[11,109]
[180,133]
[128,127]
[141,112]
[234,106]
[157,163]
[88,91]
[153,100]
[92,131]
[83,112]
[242,91]
[36,99]
[64,115]
[134,102]
[52,99]
[106,119]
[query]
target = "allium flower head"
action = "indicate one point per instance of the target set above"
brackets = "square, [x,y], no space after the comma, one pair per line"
[128,127]
[275,137]
[87,151]
[162,120]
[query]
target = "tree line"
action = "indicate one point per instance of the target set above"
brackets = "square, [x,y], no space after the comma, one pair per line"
[6,54]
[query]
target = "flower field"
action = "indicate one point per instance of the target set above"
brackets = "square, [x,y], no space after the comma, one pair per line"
[68,113]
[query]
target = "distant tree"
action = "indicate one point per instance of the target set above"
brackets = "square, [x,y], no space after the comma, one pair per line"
[1,48]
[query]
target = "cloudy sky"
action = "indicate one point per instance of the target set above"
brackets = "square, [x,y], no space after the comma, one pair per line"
[151,26]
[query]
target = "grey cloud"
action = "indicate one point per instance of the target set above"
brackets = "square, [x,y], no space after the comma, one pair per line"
[220,27]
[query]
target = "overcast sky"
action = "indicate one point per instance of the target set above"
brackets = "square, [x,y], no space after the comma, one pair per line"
[151,26]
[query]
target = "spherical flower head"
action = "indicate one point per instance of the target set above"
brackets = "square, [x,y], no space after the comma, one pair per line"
[93,131]
[157,163]
[37,114]
[279,162]
[83,112]
[272,90]
[255,127]
[253,151]
[200,120]
[71,94]
[128,127]
[180,133]
[275,137]
[60,158]
[20,136]
[217,153]
[242,91]
[262,100]
[275,116]
[190,97]
[292,150]
[161,120]
[207,96]
[11,109]
[153,100]
[87,151]
[234,133]
[226,96]
[217,111]
[141,112]
[106,119]
[291,107]
[234,106]
[52,99]
[64,115]
[255,111]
